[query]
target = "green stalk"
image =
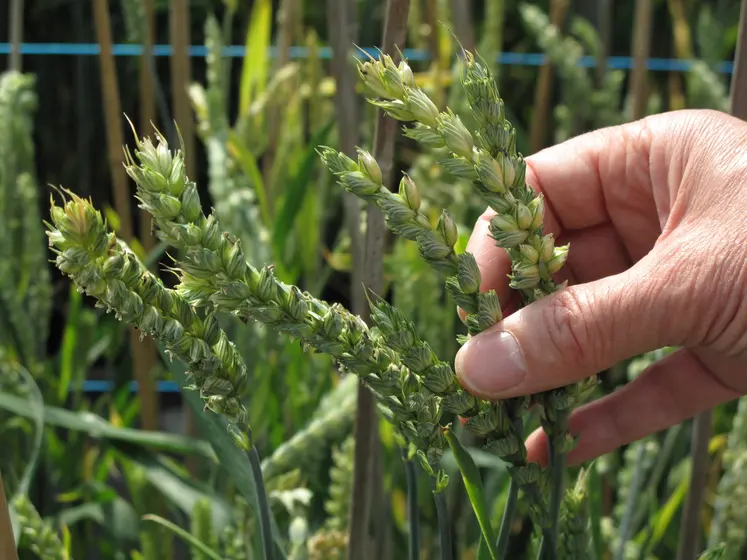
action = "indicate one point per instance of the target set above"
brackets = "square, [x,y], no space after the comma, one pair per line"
[412,507]
[549,545]
[630,505]
[264,504]
[509,511]
[656,474]
[508,516]
[444,525]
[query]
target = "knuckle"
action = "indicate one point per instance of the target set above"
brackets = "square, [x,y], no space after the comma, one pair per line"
[567,326]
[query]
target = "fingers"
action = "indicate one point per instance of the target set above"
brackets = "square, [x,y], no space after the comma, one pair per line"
[575,333]
[666,393]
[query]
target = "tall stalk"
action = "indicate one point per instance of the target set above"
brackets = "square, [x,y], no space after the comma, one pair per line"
[181,77]
[444,526]
[265,523]
[638,88]
[115,141]
[15,33]
[366,444]
[543,89]
[413,550]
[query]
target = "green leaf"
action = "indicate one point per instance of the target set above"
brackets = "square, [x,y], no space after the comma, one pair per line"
[96,427]
[181,492]
[69,345]
[184,535]
[250,168]
[473,485]
[117,516]
[595,509]
[664,516]
[483,550]
[256,59]
[714,553]
[296,192]
[36,413]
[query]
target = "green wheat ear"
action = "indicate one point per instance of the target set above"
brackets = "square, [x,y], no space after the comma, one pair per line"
[37,535]
[104,267]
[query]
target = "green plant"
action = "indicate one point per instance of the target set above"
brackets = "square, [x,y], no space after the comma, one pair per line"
[415,388]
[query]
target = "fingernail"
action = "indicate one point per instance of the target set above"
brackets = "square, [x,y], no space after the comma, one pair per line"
[490,363]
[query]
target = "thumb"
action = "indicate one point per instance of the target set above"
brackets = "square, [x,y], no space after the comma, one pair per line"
[573,333]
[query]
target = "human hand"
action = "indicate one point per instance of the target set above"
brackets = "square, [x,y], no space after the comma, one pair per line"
[656,215]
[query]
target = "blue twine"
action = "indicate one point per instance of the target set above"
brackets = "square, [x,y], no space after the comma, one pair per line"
[101,386]
[298,52]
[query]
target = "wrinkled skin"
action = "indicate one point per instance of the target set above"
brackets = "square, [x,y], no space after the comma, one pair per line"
[656,215]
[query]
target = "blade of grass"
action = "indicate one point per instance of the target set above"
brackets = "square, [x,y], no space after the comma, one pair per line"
[296,192]
[473,485]
[250,168]
[507,521]
[663,518]
[116,516]
[69,344]
[36,410]
[96,427]
[188,538]
[256,60]
[178,489]
[265,520]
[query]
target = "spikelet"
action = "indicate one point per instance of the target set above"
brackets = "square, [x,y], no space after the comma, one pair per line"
[341,484]
[37,534]
[332,419]
[202,527]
